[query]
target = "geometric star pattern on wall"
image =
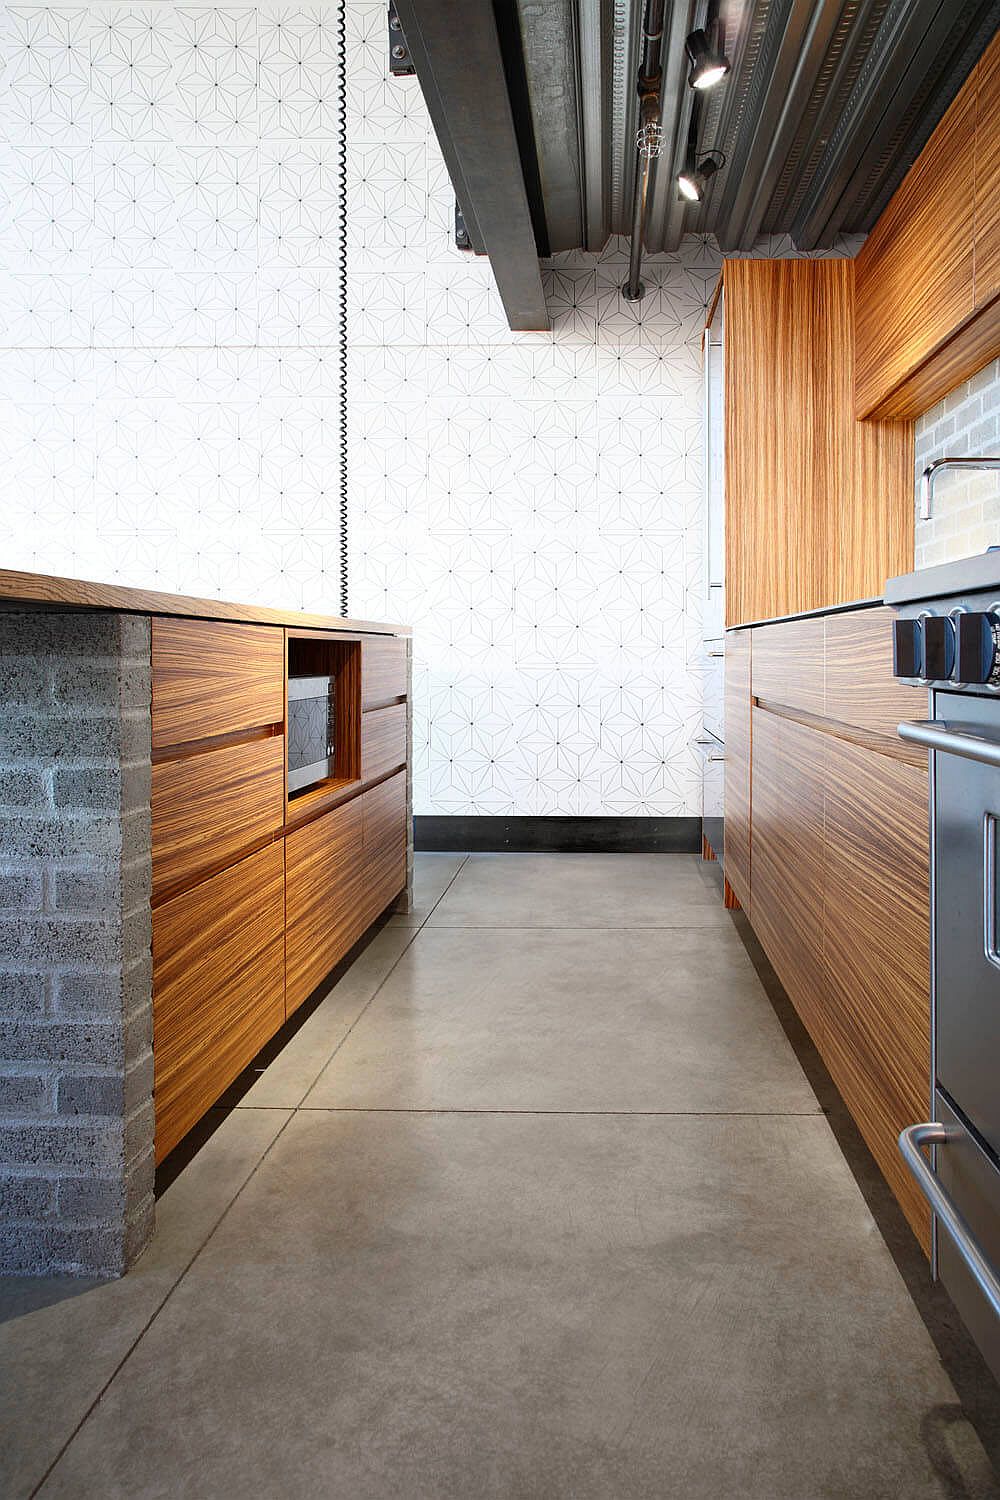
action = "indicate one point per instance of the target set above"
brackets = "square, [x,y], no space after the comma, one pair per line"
[531,504]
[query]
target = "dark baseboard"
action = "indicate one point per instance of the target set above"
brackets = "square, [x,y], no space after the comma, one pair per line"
[558,835]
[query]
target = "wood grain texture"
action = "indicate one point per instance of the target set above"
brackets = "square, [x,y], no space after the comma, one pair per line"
[789,664]
[324,892]
[17,587]
[214,679]
[860,687]
[986,228]
[210,808]
[736,836]
[383,741]
[218,987]
[819,506]
[914,273]
[384,832]
[789,860]
[876,1040]
[383,671]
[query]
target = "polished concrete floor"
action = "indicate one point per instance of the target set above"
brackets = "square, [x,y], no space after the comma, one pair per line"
[538,1202]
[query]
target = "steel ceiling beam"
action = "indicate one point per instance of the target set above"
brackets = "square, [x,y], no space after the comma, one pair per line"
[459,63]
[548,37]
[908,47]
[593,33]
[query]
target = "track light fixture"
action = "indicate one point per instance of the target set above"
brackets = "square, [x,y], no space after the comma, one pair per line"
[692,182]
[708,66]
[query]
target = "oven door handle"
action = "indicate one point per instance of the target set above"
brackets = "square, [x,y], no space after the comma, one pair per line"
[933,1134]
[953,739]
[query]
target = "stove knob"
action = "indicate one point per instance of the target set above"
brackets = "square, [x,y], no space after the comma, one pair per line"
[978,648]
[939,647]
[907,649]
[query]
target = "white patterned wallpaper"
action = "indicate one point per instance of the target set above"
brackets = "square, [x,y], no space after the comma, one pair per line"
[169,361]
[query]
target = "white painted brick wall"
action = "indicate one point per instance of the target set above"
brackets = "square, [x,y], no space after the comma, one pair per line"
[966,516]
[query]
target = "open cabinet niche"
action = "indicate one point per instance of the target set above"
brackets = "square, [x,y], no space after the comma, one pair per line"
[323,714]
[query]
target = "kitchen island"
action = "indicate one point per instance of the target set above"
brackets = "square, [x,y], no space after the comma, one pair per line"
[169,898]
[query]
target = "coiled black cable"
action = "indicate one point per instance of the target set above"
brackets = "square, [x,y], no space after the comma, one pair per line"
[342,301]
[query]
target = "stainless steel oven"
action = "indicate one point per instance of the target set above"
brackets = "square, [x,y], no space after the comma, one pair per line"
[947,642]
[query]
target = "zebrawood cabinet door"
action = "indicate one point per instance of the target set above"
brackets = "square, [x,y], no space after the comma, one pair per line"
[383,741]
[914,273]
[877,953]
[987,170]
[736,858]
[384,837]
[325,897]
[210,808]
[212,679]
[789,859]
[218,987]
[383,670]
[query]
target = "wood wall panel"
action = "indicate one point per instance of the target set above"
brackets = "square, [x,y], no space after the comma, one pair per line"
[383,670]
[210,808]
[986,243]
[914,272]
[324,888]
[218,987]
[789,865]
[819,506]
[214,679]
[788,664]
[383,741]
[877,953]
[736,835]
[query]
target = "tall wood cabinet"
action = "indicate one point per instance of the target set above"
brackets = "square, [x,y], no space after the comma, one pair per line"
[819,506]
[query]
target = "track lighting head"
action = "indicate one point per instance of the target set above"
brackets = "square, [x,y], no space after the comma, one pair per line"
[708,67]
[692,182]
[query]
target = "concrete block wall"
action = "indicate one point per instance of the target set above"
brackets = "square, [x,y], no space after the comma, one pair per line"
[76,1063]
[966,515]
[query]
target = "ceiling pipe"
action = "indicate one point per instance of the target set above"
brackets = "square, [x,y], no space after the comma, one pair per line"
[648,140]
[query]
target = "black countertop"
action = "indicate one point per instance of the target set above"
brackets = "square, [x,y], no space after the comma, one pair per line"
[966,575]
[810,614]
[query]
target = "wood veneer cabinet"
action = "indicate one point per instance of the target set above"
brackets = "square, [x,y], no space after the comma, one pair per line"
[839,865]
[819,506]
[257,896]
[736,858]
[929,272]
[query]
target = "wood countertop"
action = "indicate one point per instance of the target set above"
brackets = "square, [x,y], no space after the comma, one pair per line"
[39,591]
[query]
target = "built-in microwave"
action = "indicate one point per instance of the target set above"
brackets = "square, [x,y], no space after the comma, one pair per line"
[311,731]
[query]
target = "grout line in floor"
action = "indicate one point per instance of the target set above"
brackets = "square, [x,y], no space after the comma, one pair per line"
[291,1112]
[414,932]
[670,1114]
[161,1305]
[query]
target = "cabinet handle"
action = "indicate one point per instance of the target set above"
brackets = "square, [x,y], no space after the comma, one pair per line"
[935,734]
[933,1134]
[990,889]
[715,653]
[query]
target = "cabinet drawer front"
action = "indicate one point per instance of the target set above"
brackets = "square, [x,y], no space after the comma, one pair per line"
[218,987]
[383,811]
[383,741]
[324,897]
[860,687]
[211,679]
[383,670]
[788,664]
[209,808]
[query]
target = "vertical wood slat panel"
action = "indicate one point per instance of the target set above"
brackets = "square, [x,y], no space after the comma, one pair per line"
[819,506]
[736,857]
